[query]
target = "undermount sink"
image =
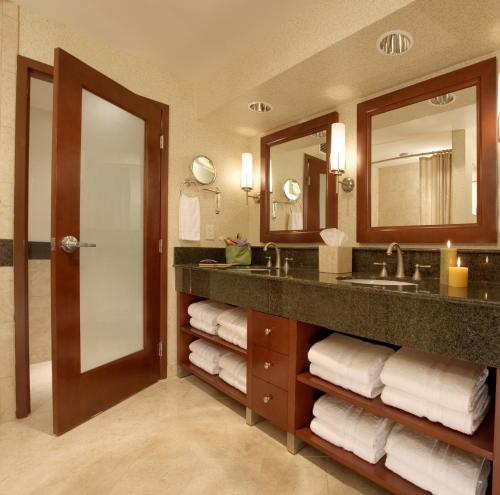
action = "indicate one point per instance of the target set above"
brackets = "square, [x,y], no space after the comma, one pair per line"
[371,281]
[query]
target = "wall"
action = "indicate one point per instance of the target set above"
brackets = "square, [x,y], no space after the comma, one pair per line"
[35,37]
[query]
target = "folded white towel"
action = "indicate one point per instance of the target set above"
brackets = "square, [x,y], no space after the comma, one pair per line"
[232,336]
[369,390]
[466,422]
[449,382]
[206,351]
[235,319]
[351,427]
[442,467]
[207,311]
[234,364]
[204,364]
[295,220]
[189,218]
[203,326]
[353,358]
[233,380]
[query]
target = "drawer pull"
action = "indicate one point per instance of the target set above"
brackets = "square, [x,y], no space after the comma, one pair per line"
[267,398]
[267,365]
[267,331]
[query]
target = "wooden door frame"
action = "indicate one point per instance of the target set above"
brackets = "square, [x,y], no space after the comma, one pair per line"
[27,68]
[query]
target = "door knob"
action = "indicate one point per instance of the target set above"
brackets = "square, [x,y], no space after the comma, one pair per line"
[267,398]
[69,244]
[267,365]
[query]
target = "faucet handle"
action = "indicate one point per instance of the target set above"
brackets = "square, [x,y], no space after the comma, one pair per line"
[416,275]
[287,265]
[383,271]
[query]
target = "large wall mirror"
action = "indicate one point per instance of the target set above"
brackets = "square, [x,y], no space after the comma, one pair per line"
[299,193]
[427,160]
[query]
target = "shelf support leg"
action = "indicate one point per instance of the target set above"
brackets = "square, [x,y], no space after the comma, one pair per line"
[182,372]
[293,443]
[252,417]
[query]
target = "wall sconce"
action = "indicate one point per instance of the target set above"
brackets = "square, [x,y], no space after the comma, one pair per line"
[247,176]
[337,155]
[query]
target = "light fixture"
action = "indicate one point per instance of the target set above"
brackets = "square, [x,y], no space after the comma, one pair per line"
[337,155]
[441,100]
[260,106]
[394,43]
[247,176]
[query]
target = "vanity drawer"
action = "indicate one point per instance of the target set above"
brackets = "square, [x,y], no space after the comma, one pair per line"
[270,402]
[270,366]
[270,332]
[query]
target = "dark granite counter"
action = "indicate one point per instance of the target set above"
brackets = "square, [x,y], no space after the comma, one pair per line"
[463,323]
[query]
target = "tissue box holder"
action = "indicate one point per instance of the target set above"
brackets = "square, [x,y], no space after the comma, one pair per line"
[237,255]
[335,259]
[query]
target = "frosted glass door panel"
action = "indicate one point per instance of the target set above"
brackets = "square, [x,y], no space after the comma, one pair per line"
[111,216]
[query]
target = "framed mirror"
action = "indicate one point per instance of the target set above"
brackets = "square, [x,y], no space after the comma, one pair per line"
[203,170]
[427,160]
[298,193]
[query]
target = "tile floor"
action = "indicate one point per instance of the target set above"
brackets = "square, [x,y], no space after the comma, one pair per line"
[176,437]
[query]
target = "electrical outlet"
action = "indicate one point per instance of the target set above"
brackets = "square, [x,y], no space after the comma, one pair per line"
[210,231]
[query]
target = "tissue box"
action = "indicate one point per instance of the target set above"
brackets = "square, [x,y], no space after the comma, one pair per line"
[335,259]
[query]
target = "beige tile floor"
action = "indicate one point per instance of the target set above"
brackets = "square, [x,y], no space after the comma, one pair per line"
[176,437]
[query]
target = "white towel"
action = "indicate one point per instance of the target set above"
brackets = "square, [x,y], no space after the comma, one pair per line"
[205,364]
[232,336]
[233,380]
[207,311]
[295,220]
[189,218]
[434,465]
[206,351]
[361,361]
[235,319]
[466,422]
[449,382]
[203,326]
[351,428]
[235,365]
[369,390]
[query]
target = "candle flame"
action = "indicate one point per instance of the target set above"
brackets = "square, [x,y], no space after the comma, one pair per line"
[448,244]
[458,261]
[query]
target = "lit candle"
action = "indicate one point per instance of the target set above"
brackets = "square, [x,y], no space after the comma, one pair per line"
[458,276]
[448,258]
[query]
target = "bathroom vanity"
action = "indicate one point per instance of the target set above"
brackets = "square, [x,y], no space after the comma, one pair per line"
[287,314]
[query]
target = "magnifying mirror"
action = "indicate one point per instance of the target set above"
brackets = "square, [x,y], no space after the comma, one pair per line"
[203,170]
[291,188]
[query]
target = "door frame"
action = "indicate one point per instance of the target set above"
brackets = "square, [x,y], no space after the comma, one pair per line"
[27,68]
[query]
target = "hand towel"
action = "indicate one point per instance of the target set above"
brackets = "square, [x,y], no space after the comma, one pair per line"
[369,390]
[466,422]
[205,364]
[232,336]
[449,382]
[235,319]
[189,218]
[203,326]
[353,358]
[234,364]
[441,465]
[207,311]
[233,380]
[295,220]
[206,351]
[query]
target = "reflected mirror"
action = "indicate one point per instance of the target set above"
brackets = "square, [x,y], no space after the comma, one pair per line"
[291,188]
[203,170]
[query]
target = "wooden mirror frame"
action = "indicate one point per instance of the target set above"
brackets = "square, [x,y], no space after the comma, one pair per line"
[483,76]
[318,124]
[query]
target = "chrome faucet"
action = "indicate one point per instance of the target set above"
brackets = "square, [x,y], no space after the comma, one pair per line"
[400,271]
[278,256]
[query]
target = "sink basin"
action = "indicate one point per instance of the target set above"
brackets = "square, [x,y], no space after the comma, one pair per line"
[371,281]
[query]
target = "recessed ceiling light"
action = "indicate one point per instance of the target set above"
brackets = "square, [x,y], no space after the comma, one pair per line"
[260,106]
[394,43]
[441,100]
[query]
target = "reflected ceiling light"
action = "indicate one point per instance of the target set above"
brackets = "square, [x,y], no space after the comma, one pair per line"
[260,106]
[441,100]
[394,43]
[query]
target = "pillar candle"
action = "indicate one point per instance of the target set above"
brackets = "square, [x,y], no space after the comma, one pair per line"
[448,258]
[458,276]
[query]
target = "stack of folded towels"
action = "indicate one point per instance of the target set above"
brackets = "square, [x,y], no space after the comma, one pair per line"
[206,356]
[204,315]
[445,390]
[233,370]
[350,363]
[233,326]
[351,428]
[435,466]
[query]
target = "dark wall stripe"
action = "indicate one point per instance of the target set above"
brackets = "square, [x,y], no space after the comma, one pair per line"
[39,250]
[6,252]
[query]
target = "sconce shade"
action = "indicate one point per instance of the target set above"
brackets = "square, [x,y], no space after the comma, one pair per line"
[337,148]
[270,176]
[246,171]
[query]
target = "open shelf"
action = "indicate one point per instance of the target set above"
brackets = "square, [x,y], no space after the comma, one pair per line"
[214,339]
[377,473]
[217,383]
[481,443]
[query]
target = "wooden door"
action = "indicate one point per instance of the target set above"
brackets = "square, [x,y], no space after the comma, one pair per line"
[315,186]
[105,237]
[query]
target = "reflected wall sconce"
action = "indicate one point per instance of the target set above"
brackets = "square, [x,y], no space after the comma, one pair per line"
[247,176]
[337,156]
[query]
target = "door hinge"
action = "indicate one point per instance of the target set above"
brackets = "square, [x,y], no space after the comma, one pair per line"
[308,180]
[162,141]
[160,349]
[160,246]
